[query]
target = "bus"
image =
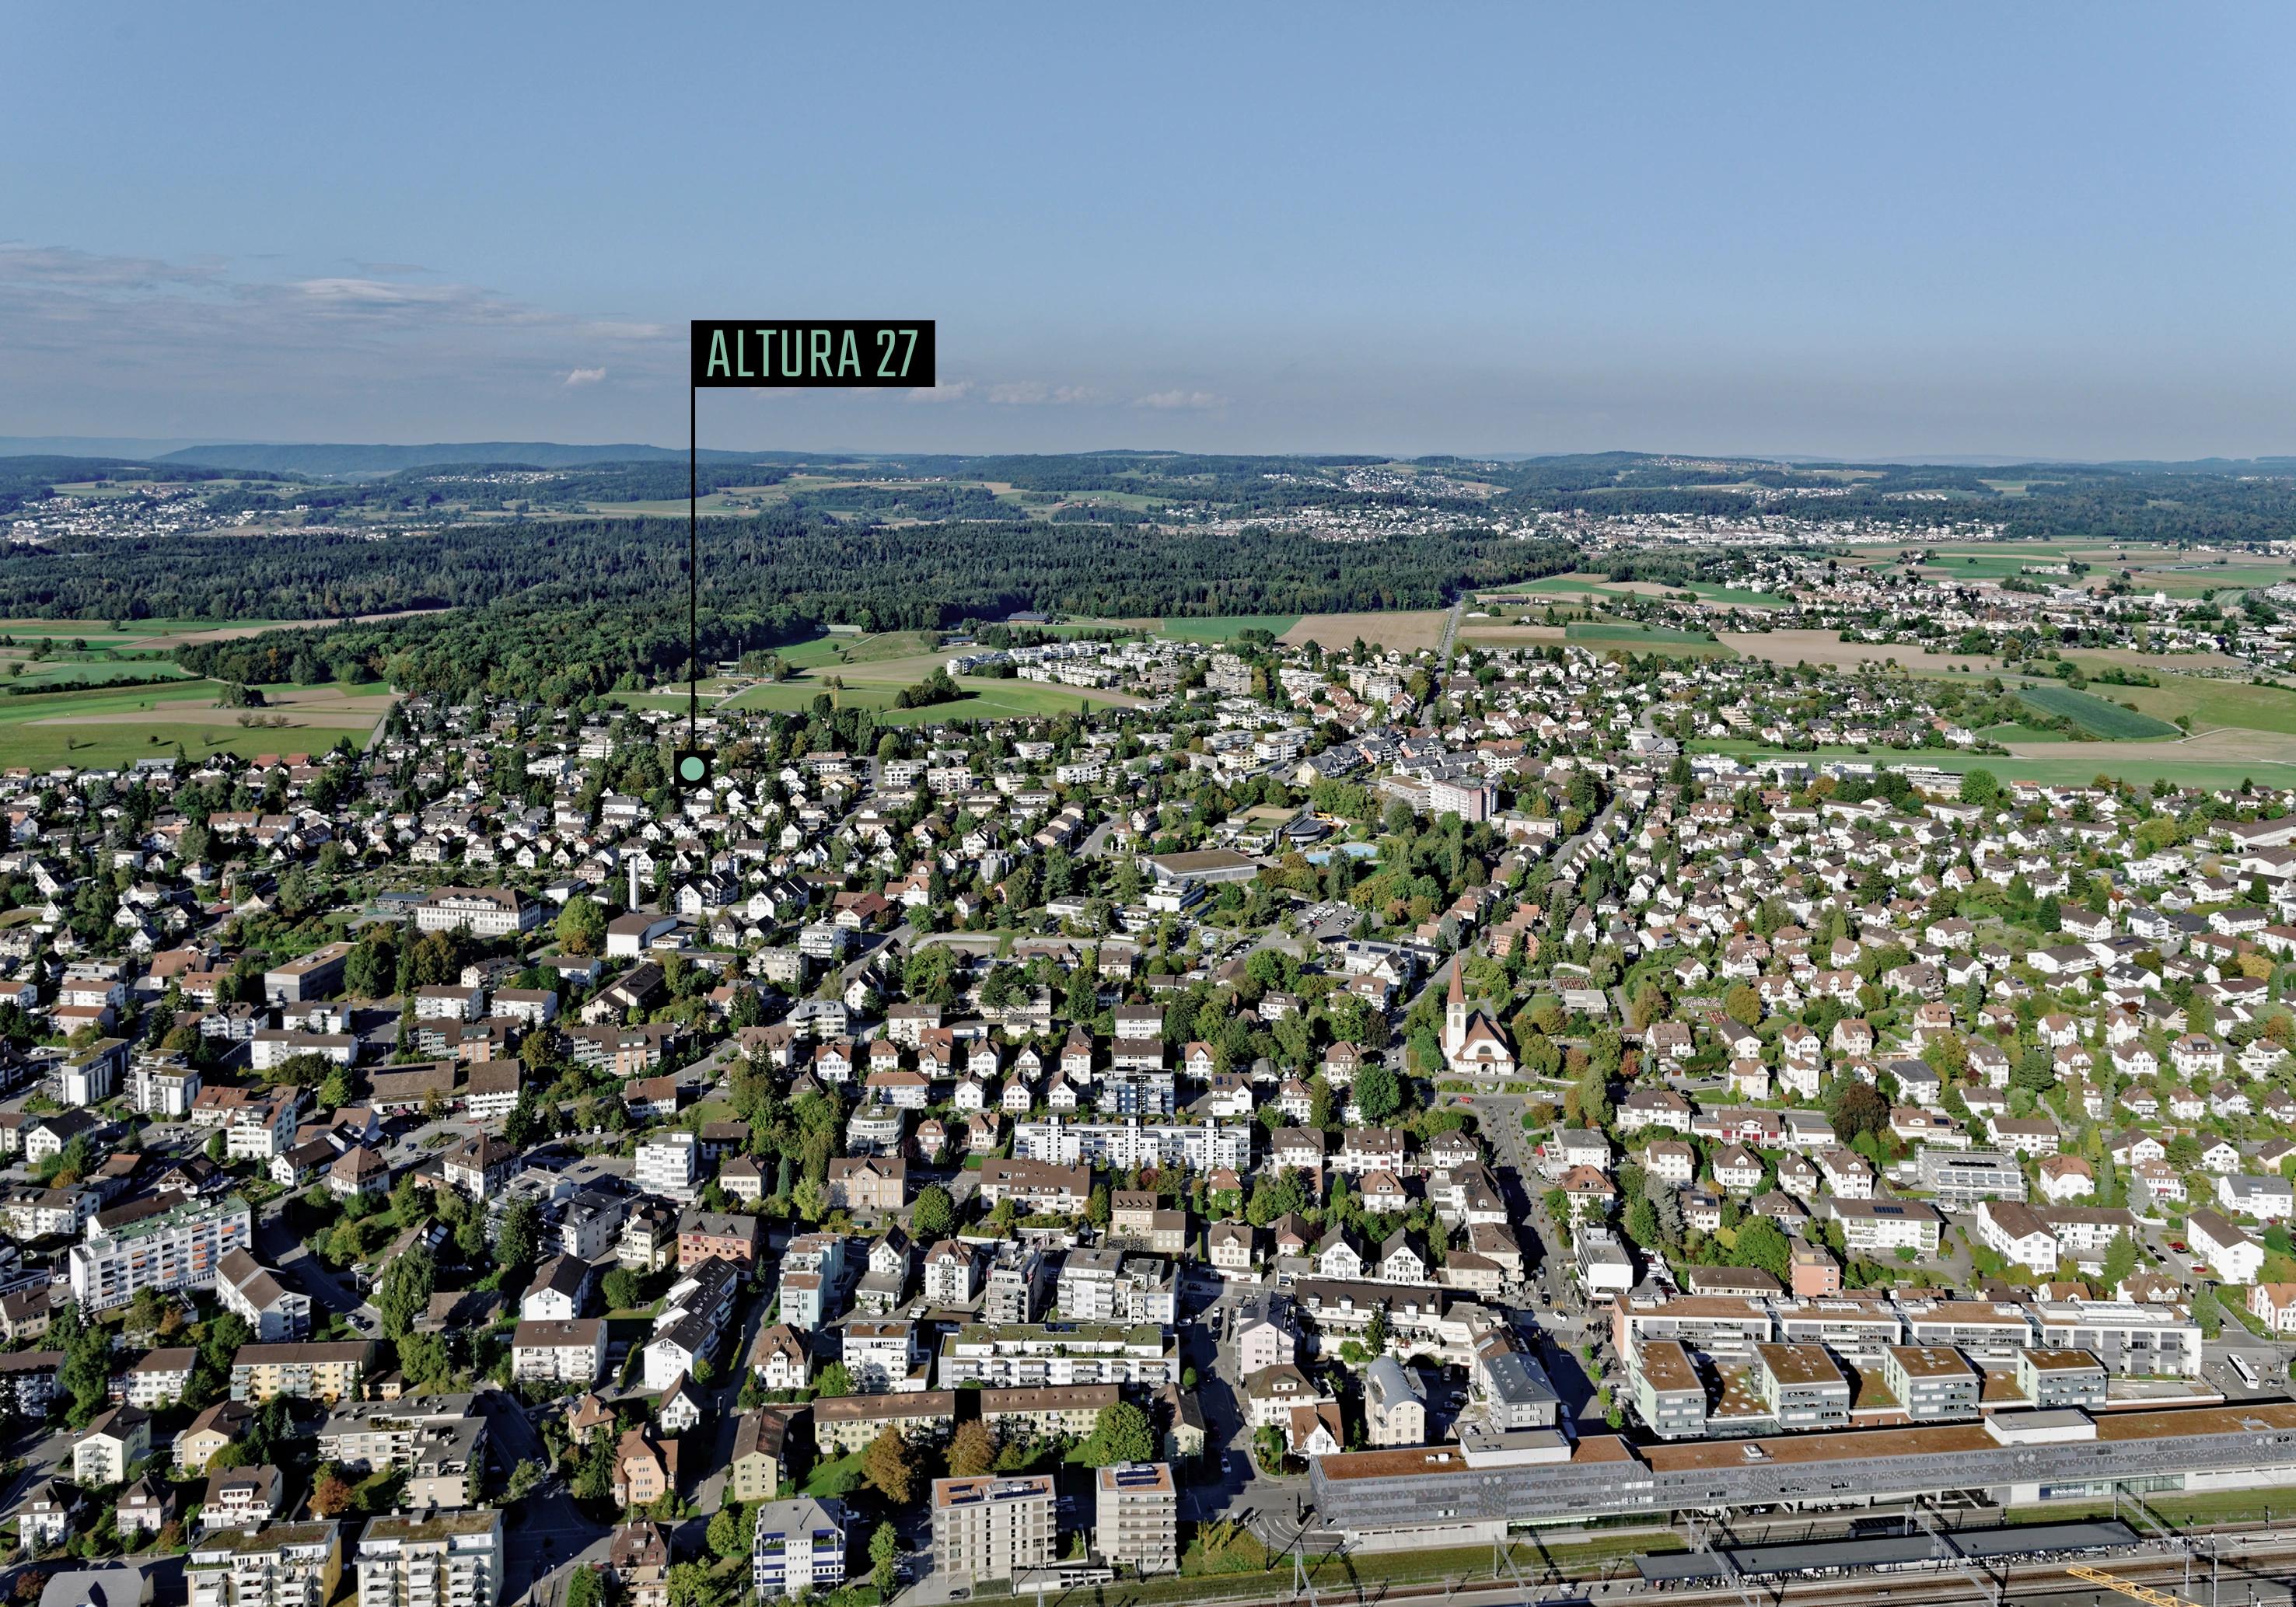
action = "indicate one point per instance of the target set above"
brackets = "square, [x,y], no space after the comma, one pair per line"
[2242,1365]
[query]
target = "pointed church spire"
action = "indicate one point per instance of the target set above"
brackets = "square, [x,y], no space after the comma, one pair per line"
[1458,994]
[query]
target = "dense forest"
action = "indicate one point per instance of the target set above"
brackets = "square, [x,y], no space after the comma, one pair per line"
[580,606]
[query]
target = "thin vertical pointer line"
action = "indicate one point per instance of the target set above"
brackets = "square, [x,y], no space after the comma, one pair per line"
[693,567]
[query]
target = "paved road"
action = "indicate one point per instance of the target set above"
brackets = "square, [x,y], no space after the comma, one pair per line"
[1451,631]
[545,1534]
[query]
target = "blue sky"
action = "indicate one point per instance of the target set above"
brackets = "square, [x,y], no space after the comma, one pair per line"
[1852,230]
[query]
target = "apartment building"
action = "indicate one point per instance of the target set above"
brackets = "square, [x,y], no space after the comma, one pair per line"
[450,1559]
[797,1547]
[176,1247]
[1031,1353]
[439,1442]
[570,1352]
[992,1527]
[669,1164]
[328,1371]
[1138,1517]
[845,1424]
[278,1565]
[1046,1413]
[2051,1378]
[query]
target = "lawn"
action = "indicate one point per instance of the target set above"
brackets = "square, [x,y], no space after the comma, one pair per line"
[2108,721]
[2076,765]
[2010,731]
[1226,627]
[837,1476]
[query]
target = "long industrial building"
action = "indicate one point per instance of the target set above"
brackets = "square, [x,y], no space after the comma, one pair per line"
[1450,1494]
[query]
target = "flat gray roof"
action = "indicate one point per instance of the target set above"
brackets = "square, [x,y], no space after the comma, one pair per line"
[1884,1551]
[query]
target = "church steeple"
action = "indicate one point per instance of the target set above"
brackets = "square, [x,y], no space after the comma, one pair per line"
[1455,1014]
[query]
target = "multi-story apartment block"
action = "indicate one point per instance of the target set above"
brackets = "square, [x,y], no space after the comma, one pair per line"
[278,1565]
[445,1559]
[439,1442]
[570,1352]
[177,1248]
[2051,1378]
[329,1371]
[1047,1412]
[797,1547]
[1031,1353]
[1138,1517]
[669,1164]
[991,1528]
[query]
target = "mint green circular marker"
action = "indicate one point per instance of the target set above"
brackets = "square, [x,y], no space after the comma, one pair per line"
[692,768]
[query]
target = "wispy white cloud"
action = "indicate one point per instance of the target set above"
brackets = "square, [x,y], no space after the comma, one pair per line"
[1192,401]
[1036,393]
[956,391]
[148,337]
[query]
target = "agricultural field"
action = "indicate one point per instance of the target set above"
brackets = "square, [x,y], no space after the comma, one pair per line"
[1226,627]
[2069,764]
[114,727]
[2208,702]
[1826,647]
[2107,721]
[1606,635]
[1472,635]
[1405,630]
[1582,584]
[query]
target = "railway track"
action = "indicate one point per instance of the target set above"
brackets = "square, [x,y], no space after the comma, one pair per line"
[2252,1566]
